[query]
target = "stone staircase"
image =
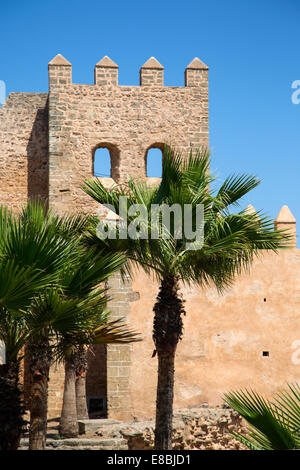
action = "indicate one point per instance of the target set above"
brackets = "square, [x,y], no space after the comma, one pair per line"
[81,444]
[87,429]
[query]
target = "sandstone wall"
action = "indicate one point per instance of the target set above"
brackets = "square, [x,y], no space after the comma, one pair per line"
[23,148]
[201,428]
[126,120]
[194,429]
[225,336]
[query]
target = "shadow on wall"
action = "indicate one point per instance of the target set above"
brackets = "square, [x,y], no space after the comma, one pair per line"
[37,157]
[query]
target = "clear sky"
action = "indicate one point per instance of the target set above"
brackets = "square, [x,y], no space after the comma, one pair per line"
[251,47]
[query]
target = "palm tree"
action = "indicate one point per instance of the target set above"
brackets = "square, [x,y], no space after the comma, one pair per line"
[19,283]
[231,242]
[11,404]
[81,280]
[35,247]
[17,288]
[274,425]
[49,317]
[82,284]
[44,241]
[65,314]
[103,331]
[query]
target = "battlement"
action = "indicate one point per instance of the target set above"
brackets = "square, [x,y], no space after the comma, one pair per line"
[283,221]
[106,73]
[286,221]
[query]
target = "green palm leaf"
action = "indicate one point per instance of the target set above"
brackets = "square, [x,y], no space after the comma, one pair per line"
[18,285]
[288,401]
[230,240]
[14,333]
[269,428]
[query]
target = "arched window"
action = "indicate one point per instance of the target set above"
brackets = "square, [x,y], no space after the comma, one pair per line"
[106,161]
[102,163]
[154,158]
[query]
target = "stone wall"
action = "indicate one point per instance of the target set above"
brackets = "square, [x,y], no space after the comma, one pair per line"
[194,429]
[119,405]
[127,120]
[245,337]
[201,428]
[23,148]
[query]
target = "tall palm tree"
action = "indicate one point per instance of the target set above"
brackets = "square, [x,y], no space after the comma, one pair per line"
[11,404]
[103,331]
[64,312]
[273,424]
[36,243]
[82,284]
[19,283]
[17,288]
[81,280]
[42,240]
[230,243]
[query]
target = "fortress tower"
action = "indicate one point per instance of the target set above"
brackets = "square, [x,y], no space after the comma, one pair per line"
[48,141]
[246,337]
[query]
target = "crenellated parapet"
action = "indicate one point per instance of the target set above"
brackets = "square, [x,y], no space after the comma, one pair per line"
[106,73]
[196,73]
[283,221]
[60,71]
[286,221]
[152,73]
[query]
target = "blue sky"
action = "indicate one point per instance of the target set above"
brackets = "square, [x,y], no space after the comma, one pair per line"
[251,47]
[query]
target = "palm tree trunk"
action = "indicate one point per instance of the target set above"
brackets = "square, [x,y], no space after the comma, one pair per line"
[81,405]
[11,407]
[40,361]
[81,369]
[68,421]
[167,331]
[164,401]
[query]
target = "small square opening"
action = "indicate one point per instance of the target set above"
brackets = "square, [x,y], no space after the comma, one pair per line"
[265,353]
[95,405]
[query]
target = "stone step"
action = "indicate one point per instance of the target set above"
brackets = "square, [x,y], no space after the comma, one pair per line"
[87,425]
[81,444]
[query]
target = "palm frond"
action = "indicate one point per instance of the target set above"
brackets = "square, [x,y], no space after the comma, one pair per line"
[231,241]
[268,428]
[114,332]
[14,333]
[233,189]
[288,401]
[18,285]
